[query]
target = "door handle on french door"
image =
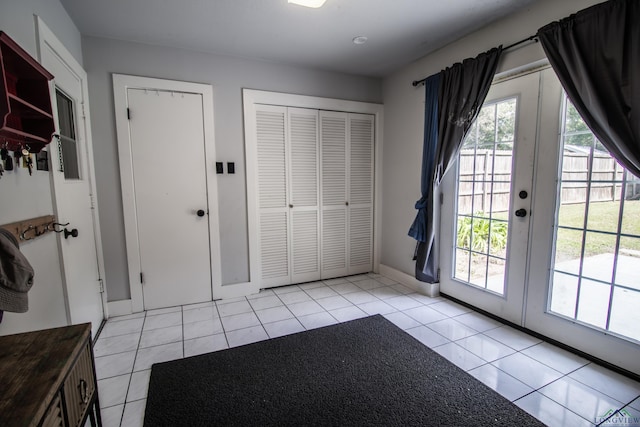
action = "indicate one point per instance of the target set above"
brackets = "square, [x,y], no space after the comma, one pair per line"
[521,213]
[72,233]
[200,213]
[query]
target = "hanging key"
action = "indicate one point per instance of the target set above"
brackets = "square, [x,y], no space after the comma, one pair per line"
[17,156]
[29,160]
[4,155]
[26,160]
[8,162]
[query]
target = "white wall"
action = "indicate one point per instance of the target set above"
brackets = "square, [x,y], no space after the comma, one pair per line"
[23,196]
[404,109]
[228,75]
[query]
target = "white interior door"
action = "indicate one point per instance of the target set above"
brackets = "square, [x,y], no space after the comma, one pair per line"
[484,249]
[168,155]
[72,177]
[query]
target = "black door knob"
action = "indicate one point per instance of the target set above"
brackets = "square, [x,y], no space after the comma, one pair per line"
[200,213]
[72,233]
[523,194]
[521,213]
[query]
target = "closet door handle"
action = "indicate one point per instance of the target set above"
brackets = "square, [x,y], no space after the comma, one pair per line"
[290,206]
[346,203]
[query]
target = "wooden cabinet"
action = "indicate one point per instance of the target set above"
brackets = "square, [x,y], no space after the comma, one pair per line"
[48,378]
[26,119]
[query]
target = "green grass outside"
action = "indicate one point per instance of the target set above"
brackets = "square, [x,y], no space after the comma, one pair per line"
[603,216]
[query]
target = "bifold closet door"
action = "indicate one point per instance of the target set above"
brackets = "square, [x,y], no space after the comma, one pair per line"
[304,180]
[333,143]
[272,203]
[360,169]
[346,142]
[288,176]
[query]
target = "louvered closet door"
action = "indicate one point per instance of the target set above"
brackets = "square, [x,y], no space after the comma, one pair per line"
[273,206]
[303,198]
[360,246]
[334,200]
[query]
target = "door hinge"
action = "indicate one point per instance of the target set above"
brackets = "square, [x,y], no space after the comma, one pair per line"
[438,275]
[441,198]
[84,113]
[141,277]
[101,285]
[128,114]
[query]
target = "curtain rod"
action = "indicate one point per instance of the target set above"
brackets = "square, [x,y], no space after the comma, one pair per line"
[511,46]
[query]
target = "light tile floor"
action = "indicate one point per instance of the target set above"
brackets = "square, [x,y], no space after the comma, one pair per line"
[557,387]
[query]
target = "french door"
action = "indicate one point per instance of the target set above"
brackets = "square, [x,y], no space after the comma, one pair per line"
[537,223]
[492,182]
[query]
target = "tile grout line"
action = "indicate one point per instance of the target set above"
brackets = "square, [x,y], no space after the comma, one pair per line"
[617,411]
[537,390]
[124,406]
[288,309]
[316,301]
[224,331]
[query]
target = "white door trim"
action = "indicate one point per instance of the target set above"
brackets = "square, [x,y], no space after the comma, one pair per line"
[250,99]
[46,37]
[121,83]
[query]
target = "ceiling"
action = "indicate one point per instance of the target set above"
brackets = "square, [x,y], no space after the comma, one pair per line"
[398,31]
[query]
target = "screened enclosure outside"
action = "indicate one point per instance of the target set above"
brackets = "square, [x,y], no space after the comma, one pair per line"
[595,275]
[483,197]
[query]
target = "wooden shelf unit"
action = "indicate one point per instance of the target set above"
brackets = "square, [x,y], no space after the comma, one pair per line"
[26,117]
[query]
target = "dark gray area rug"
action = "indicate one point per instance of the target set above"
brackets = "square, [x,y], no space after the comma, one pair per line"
[363,372]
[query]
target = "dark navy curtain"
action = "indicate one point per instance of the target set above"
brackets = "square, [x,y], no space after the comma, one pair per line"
[453,99]
[596,56]
[420,229]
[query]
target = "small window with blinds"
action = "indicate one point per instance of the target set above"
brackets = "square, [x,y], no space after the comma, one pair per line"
[68,144]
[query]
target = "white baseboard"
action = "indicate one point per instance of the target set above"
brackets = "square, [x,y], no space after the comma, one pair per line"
[119,308]
[429,289]
[236,290]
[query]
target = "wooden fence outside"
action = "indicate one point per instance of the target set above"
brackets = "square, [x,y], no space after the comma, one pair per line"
[489,169]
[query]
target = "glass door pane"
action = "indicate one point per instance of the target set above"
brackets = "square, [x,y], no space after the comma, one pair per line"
[583,276]
[484,195]
[595,277]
